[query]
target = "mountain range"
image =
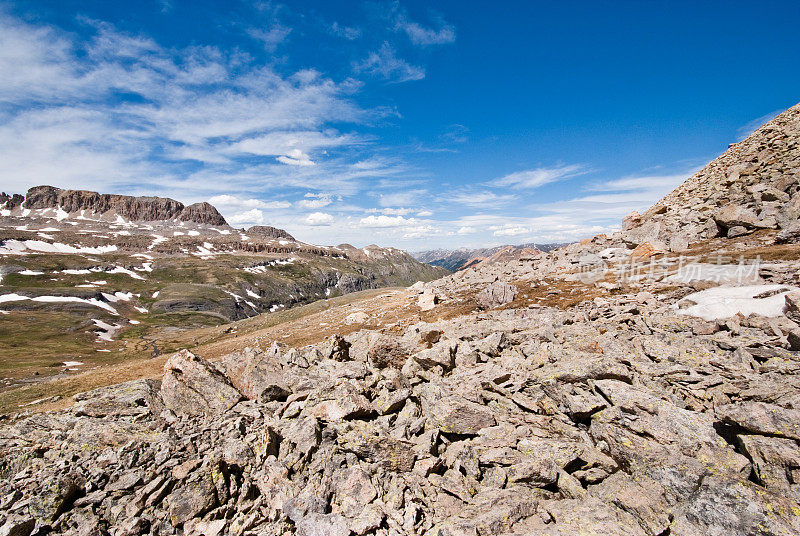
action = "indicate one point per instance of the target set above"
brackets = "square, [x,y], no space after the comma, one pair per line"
[462,258]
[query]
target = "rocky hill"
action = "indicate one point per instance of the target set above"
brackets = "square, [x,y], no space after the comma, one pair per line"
[608,388]
[752,186]
[87,278]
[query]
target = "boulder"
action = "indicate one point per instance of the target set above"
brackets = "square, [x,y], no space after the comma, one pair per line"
[196,387]
[257,375]
[496,294]
[732,215]
[427,300]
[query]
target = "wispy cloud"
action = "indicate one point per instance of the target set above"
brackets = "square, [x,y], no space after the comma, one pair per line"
[418,34]
[346,32]
[228,201]
[272,37]
[481,199]
[745,130]
[386,64]
[118,111]
[534,178]
[313,201]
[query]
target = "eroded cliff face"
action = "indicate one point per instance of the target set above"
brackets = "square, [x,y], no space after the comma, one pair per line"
[128,207]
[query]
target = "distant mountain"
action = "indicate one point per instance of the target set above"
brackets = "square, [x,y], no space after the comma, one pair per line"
[459,259]
[93,270]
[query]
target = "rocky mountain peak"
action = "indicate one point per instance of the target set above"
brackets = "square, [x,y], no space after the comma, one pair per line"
[749,187]
[129,207]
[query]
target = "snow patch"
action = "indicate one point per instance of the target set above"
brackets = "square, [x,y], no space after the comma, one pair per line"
[724,302]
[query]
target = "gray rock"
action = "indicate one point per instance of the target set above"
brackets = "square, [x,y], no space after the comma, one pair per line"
[195,387]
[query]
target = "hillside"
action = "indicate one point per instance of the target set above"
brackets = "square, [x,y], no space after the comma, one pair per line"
[636,385]
[88,278]
[751,186]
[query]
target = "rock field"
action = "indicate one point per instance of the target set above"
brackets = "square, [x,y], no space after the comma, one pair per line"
[644,383]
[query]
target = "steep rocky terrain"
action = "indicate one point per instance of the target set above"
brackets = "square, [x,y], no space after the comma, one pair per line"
[609,388]
[751,186]
[83,275]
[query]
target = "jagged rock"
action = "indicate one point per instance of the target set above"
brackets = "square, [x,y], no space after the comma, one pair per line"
[387,352]
[256,375]
[133,208]
[774,460]
[137,397]
[191,500]
[454,414]
[496,294]
[573,411]
[792,308]
[443,355]
[645,250]
[55,495]
[372,447]
[790,234]
[732,215]
[195,387]
[724,507]
[18,526]
[427,300]
[761,418]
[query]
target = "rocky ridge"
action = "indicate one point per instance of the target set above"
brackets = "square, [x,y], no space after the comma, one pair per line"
[124,206]
[605,388]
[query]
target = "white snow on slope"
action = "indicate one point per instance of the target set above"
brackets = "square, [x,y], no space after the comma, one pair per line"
[724,302]
[17,247]
[59,299]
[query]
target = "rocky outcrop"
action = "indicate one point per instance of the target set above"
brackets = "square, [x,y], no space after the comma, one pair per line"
[266,231]
[128,207]
[754,185]
[10,201]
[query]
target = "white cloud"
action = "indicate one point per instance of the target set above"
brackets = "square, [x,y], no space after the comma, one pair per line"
[270,38]
[481,199]
[424,213]
[62,123]
[534,178]
[228,201]
[315,201]
[250,216]
[421,35]
[385,221]
[511,231]
[319,218]
[387,65]
[465,230]
[296,157]
[397,211]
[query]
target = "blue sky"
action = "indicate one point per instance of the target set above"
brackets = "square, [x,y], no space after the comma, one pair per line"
[411,124]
